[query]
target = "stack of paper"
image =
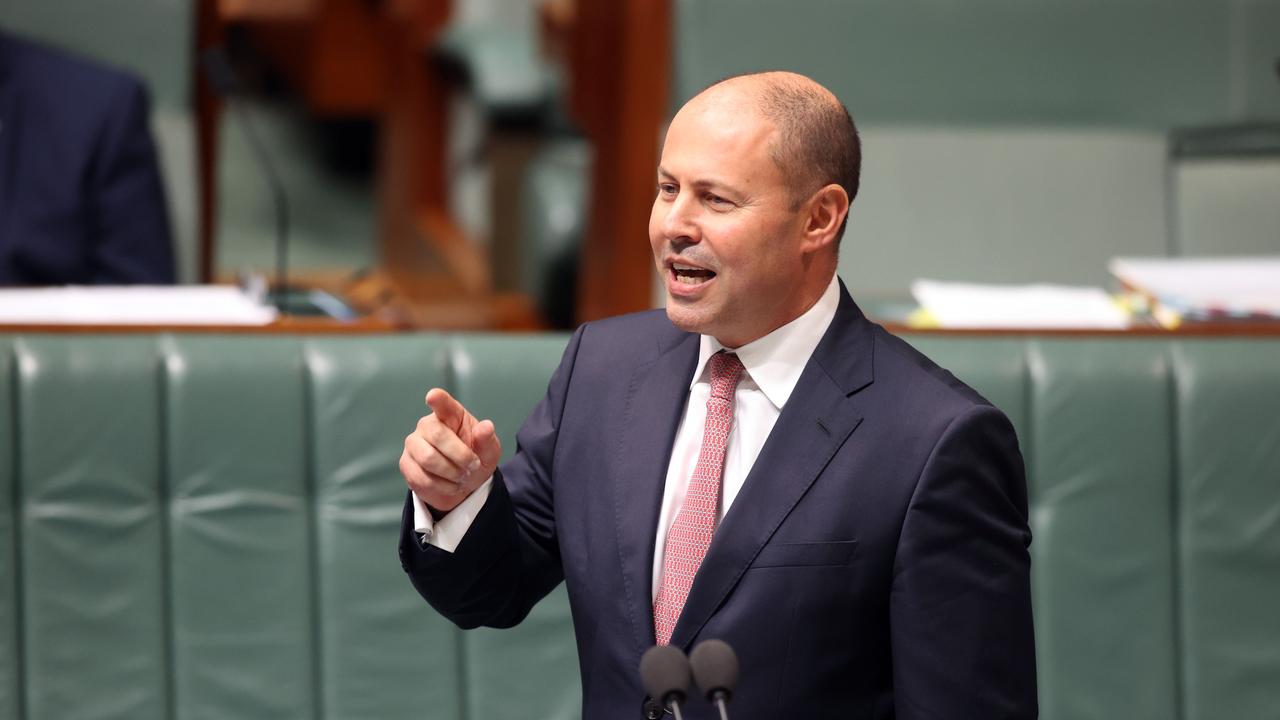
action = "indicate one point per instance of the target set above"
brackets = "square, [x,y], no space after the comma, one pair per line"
[966,305]
[1205,288]
[133,305]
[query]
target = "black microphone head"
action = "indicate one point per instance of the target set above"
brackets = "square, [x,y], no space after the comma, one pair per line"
[664,669]
[715,668]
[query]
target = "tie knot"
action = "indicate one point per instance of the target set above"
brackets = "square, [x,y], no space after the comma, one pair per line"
[726,370]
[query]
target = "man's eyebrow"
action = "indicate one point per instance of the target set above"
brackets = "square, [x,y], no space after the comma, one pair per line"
[704,183]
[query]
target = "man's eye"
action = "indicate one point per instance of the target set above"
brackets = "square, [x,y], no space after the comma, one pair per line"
[666,188]
[717,200]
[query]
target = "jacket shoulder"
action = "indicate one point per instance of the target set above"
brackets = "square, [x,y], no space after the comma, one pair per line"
[53,74]
[636,335]
[903,370]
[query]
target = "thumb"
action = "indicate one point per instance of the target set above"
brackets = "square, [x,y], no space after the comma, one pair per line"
[447,409]
[485,443]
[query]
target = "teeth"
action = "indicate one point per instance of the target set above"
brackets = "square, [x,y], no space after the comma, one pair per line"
[690,275]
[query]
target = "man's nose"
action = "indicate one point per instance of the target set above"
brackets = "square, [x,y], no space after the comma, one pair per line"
[680,223]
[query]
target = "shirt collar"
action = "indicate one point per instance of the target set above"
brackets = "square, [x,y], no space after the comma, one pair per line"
[775,361]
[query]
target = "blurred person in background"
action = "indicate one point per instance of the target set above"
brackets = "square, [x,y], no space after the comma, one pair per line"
[81,198]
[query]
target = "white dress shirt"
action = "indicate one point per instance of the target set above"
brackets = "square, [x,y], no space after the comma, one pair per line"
[772,365]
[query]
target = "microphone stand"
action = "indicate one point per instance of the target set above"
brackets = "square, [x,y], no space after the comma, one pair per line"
[720,705]
[281,202]
[221,76]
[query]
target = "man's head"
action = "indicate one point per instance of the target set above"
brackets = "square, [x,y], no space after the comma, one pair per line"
[754,186]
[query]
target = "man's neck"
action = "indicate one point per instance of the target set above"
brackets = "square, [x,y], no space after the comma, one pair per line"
[810,299]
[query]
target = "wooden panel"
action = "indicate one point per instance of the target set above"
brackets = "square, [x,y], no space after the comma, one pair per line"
[621,64]
[236,10]
[411,162]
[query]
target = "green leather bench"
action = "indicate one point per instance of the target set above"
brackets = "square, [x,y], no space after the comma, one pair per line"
[204,526]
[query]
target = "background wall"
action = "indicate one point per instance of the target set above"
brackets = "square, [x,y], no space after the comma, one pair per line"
[1018,141]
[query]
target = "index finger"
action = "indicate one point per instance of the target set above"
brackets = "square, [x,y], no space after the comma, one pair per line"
[449,410]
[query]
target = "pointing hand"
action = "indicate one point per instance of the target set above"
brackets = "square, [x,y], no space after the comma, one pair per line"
[449,454]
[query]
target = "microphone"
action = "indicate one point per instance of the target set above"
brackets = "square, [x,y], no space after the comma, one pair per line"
[664,669]
[222,77]
[715,668]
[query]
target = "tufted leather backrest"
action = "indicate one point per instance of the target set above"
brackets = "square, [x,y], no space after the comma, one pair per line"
[202,526]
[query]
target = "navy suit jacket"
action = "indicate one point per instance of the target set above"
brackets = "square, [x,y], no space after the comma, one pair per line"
[81,200]
[874,565]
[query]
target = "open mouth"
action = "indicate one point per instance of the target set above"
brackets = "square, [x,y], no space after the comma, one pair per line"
[689,275]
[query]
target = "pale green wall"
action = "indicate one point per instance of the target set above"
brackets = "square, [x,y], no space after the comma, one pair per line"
[1144,63]
[153,38]
[1015,140]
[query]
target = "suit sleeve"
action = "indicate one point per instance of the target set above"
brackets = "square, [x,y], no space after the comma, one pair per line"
[129,215]
[509,558]
[960,606]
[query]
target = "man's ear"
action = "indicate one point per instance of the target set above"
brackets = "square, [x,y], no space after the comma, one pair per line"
[826,210]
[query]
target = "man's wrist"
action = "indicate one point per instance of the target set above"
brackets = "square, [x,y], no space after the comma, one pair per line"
[446,529]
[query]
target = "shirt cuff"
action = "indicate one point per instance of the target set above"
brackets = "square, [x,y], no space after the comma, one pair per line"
[447,532]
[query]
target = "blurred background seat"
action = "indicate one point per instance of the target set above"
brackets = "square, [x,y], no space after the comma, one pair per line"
[1225,182]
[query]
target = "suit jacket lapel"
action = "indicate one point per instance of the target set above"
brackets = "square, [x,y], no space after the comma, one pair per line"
[655,404]
[817,419]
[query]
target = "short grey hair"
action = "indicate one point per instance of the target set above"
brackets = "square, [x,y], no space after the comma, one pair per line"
[817,143]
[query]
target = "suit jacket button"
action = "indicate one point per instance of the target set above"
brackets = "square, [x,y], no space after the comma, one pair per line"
[651,710]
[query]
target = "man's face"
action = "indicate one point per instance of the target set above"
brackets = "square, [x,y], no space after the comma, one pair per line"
[725,239]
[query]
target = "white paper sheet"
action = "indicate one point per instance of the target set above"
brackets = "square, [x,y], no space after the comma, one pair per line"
[1207,286]
[133,305]
[967,305]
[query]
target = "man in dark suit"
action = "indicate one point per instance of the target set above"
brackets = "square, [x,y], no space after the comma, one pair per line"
[81,200]
[759,464]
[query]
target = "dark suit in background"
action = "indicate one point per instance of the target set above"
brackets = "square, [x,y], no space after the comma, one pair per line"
[81,199]
[874,565]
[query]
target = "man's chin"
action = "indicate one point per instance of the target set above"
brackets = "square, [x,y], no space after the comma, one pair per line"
[686,318]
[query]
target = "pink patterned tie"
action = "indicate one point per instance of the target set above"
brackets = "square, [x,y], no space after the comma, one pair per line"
[690,534]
